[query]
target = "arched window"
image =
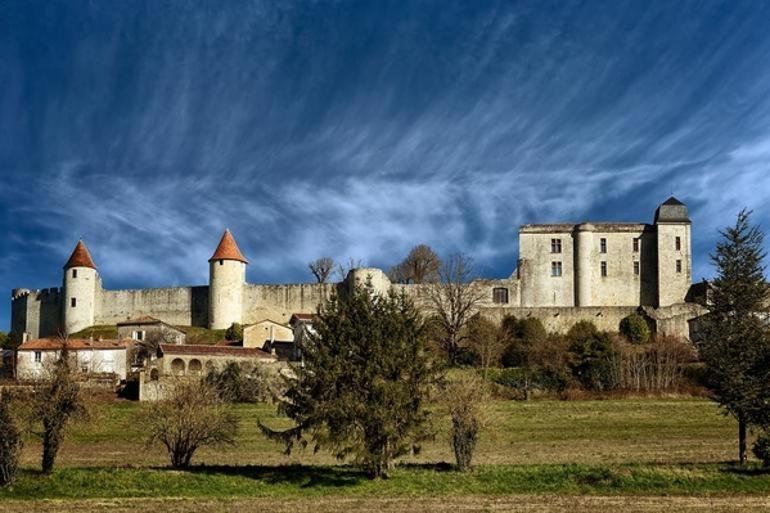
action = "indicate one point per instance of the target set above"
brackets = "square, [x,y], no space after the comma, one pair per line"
[500,295]
[194,366]
[177,366]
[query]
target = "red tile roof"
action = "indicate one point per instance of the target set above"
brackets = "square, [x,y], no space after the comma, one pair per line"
[302,317]
[74,344]
[201,350]
[228,249]
[145,319]
[80,257]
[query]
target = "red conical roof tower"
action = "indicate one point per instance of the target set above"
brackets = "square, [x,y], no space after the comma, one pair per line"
[80,257]
[228,249]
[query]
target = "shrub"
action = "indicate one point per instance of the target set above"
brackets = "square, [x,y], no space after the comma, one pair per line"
[593,357]
[658,366]
[465,401]
[189,417]
[761,448]
[234,332]
[240,383]
[524,336]
[10,442]
[635,329]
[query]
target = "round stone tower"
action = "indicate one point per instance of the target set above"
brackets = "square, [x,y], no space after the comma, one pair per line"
[81,285]
[583,267]
[227,277]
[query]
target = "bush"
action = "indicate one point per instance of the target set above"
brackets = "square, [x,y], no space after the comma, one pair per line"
[465,400]
[635,329]
[189,417]
[10,442]
[546,379]
[761,448]
[234,332]
[524,335]
[593,358]
[658,366]
[240,383]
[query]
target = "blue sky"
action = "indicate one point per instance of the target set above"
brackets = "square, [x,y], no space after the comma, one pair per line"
[358,129]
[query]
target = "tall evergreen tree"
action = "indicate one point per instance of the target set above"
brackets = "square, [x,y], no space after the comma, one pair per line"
[734,343]
[362,389]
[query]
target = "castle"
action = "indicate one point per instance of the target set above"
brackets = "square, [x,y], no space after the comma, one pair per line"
[565,273]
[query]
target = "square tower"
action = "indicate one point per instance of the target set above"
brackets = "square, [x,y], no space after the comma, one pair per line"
[674,252]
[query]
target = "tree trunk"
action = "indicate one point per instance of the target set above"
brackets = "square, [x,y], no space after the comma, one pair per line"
[741,440]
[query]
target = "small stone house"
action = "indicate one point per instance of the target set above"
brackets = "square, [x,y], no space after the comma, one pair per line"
[92,356]
[273,337]
[141,327]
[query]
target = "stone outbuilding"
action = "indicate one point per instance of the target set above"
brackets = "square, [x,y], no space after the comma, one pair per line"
[271,336]
[142,327]
[93,357]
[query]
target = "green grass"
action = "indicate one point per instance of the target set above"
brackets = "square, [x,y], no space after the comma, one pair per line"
[103,331]
[200,335]
[289,482]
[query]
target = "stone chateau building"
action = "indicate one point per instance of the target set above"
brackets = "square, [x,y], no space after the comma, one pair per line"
[566,272]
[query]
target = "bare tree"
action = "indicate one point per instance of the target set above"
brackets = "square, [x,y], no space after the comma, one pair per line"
[487,341]
[466,400]
[454,299]
[322,268]
[343,269]
[189,417]
[421,265]
[57,399]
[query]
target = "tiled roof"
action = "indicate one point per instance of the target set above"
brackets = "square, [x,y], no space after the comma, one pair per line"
[228,249]
[74,344]
[303,317]
[201,350]
[80,257]
[145,319]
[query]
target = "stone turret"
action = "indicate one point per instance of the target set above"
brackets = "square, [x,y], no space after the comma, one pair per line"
[227,279]
[81,286]
[674,252]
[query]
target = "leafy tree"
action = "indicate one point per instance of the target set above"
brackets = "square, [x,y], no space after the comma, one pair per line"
[525,348]
[11,441]
[635,328]
[421,265]
[189,417]
[322,268]
[454,300]
[593,356]
[734,343]
[362,389]
[761,448]
[234,332]
[240,382]
[149,347]
[57,399]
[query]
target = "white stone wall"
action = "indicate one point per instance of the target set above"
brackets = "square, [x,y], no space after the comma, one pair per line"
[673,286]
[255,335]
[111,361]
[539,288]
[183,306]
[279,302]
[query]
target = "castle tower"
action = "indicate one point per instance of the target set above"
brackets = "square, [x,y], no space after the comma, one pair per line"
[227,277]
[674,252]
[81,285]
[583,266]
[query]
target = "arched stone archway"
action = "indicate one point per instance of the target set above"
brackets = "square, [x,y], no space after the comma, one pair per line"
[177,366]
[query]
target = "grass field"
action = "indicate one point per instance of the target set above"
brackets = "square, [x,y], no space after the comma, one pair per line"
[534,456]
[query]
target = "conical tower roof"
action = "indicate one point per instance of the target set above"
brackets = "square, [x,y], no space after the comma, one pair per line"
[228,249]
[80,257]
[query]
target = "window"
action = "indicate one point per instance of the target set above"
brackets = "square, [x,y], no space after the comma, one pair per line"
[138,335]
[636,245]
[74,273]
[555,245]
[679,266]
[221,262]
[636,268]
[500,295]
[604,268]
[38,356]
[602,245]
[678,243]
[556,269]
[73,302]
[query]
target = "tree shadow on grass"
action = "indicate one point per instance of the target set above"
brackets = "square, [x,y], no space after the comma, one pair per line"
[748,470]
[303,476]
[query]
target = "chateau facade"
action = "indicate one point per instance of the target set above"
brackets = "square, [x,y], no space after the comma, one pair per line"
[565,273]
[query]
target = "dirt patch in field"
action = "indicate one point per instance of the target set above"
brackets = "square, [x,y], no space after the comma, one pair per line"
[520,503]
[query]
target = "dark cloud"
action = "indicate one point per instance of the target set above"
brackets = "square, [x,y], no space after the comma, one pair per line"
[358,129]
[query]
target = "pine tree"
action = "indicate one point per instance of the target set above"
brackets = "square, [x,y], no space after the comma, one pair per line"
[362,388]
[734,343]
